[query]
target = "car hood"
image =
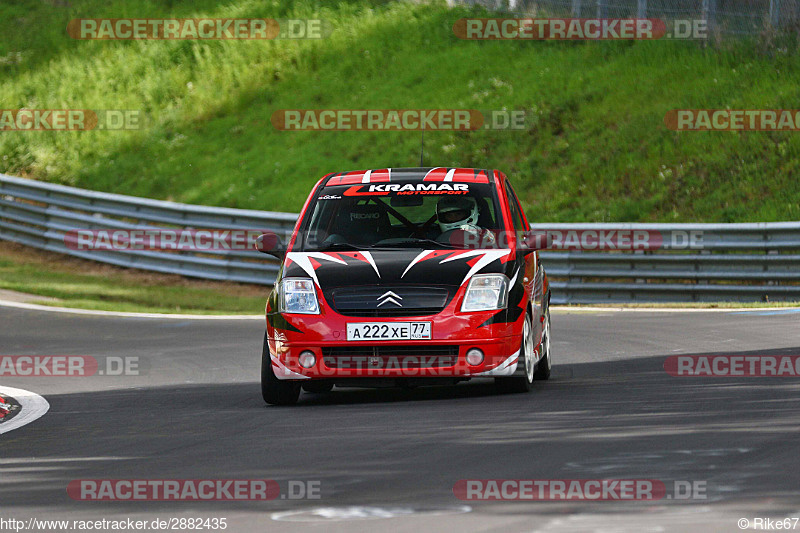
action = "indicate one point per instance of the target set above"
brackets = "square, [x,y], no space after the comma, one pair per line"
[392,268]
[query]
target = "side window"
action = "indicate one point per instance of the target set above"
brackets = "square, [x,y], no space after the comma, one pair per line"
[516,211]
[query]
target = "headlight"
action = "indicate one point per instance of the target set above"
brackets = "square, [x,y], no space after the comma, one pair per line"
[486,292]
[298,296]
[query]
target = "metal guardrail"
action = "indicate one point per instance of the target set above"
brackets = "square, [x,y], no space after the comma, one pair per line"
[752,262]
[40,214]
[736,262]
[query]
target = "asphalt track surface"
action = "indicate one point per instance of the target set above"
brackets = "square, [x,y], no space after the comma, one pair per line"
[610,411]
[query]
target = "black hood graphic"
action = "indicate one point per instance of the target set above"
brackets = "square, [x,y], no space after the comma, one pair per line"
[402,282]
[394,268]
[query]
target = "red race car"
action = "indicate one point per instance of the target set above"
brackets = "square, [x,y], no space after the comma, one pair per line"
[406,277]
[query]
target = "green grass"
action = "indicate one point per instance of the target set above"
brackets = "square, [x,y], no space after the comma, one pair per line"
[596,150]
[85,285]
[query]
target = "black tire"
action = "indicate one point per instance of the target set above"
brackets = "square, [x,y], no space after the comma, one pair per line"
[273,390]
[519,383]
[546,362]
[318,387]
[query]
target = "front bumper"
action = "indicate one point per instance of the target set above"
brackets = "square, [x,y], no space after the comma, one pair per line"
[444,355]
[396,361]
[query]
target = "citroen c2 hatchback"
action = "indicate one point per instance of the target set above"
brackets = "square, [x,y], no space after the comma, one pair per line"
[406,277]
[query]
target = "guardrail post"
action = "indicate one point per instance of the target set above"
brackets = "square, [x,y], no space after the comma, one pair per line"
[632,267]
[601,9]
[641,9]
[710,14]
[775,13]
[767,239]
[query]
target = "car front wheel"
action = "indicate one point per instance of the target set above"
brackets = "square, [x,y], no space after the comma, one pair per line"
[273,390]
[526,354]
[546,361]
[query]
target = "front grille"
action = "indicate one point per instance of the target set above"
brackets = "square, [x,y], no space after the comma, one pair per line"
[368,301]
[390,356]
[395,312]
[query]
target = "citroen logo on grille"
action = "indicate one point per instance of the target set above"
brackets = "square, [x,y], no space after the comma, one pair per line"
[389,297]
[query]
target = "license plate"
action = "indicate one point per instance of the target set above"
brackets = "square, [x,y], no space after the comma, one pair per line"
[388,331]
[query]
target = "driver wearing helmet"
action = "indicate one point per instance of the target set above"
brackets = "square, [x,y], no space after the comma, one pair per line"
[457,217]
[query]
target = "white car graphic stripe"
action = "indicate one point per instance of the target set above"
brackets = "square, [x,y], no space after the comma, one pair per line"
[506,368]
[371,261]
[488,257]
[449,175]
[431,170]
[303,260]
[283,373]
[365,179]
[513,280]
[416,260]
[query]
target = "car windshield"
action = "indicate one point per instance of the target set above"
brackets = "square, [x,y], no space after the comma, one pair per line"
[412,214]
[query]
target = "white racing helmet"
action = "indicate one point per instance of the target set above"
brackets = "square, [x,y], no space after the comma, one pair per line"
[457,212]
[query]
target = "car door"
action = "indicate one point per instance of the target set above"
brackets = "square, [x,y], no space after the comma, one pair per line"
[533,277]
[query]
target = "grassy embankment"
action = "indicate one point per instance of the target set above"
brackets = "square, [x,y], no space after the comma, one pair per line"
[596,148]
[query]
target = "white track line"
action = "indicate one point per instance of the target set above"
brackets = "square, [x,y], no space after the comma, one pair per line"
[32,406]
[92,312]
[556,308]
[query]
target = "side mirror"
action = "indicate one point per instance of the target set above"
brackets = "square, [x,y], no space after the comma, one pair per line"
[270,243]
[534,240]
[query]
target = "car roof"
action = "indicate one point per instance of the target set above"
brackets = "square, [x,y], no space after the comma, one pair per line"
[387,175]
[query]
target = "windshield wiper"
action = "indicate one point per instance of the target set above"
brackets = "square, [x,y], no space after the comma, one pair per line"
[407,243]
[414,243]
[346,246]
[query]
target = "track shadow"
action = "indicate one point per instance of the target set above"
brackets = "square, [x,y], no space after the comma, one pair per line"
[620,419]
